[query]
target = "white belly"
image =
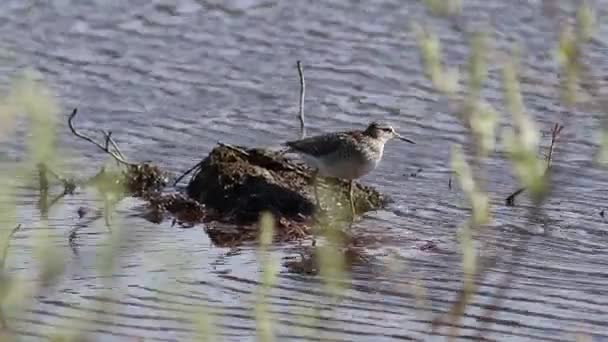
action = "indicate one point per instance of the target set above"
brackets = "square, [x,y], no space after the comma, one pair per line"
[347,168]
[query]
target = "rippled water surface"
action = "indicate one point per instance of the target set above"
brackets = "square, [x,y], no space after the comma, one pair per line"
[171,78]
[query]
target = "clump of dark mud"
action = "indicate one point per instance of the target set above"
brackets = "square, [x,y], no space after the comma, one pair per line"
[241,183]
[238,184]
[144,178]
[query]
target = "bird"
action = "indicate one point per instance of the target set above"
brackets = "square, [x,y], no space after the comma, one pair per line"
[347,155]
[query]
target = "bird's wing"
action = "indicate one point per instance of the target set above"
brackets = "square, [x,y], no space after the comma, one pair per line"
[319,145]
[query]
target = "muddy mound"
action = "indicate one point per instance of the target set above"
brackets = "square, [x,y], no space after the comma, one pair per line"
[240,183]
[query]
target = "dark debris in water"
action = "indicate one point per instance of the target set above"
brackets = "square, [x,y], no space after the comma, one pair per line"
[353,250]
[185,211]
[428,245]
[144,178]
[227,235]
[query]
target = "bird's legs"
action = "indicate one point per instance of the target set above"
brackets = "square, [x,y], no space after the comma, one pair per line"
[350,199]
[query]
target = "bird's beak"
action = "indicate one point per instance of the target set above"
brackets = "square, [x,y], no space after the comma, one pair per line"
[404,139]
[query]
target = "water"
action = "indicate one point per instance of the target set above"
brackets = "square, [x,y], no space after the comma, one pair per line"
[171,78]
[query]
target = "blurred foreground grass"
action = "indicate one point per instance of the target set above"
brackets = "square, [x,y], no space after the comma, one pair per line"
[28,97]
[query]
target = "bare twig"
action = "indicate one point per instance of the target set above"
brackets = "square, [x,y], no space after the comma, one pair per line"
[178,179]
[117,156]
[302,92]
[555,132]
[7,245]
[108,136]
[510,201]
[111,143]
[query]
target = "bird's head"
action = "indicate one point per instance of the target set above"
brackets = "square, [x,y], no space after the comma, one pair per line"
[384,132]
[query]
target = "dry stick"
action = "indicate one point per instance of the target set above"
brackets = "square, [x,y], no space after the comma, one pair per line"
[108,136]
[187,172]
[113,143]
[7,245]
[117,157]
[555,132]
[557,129]
[110,142]
[302,92]
[510,201]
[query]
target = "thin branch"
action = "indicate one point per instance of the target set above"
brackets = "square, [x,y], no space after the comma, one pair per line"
[7,245]
[108,136]
[555,132]
[302,92]
[510,201]
[116,156]
[110,142]
[178,179]
[113,143]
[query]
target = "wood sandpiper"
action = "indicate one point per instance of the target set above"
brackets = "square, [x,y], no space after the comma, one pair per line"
[348,155]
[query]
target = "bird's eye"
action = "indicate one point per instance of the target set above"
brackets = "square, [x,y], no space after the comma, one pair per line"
[389,130]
